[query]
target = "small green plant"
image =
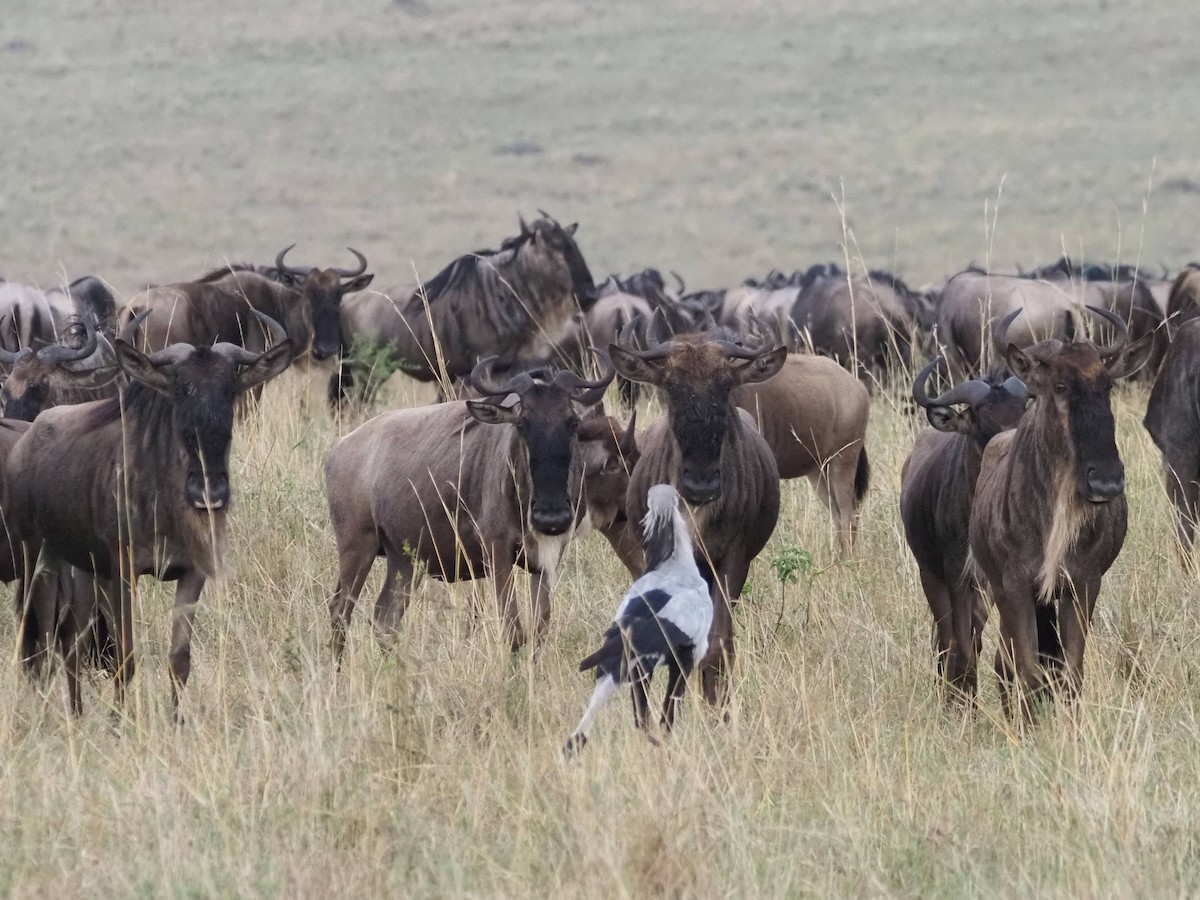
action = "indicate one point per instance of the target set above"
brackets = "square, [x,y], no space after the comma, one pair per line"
[372,364]
[788,565]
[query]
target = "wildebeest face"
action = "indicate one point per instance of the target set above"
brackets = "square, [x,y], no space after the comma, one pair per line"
[1072,380]
[547,424]
[555,248]
[984,417]
[607,455]
[324,289]
[202,384]
[698,376]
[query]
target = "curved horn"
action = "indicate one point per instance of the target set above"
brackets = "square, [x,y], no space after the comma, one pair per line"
[274,330]
[733,351]
[12,357]
[678,278]
[480,380]
[588,392]
[1016,387]
[968,393]
[347,273]
[56,354]
[284,267]
[1113,350]
[1000,330]
[129,332]
[546,215]
[243,357]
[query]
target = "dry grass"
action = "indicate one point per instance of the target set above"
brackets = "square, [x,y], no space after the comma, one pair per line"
[438,770]
[148,141]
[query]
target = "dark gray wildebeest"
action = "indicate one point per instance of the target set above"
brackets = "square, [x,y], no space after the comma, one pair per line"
[1049,514]
[1121,289]
[30,317]
[467,489]
[711,452]
[515,303]
[60,373]
[865,322]
[937,486]
[1183,301]
[813,415]
[1173,420]
[130,486]
[219,307]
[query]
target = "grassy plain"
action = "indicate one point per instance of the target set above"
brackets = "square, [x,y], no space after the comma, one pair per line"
[144,141]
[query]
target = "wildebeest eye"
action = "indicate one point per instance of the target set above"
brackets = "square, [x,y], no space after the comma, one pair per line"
[1061,388]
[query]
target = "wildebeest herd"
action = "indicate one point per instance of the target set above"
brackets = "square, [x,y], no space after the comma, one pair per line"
[118,421]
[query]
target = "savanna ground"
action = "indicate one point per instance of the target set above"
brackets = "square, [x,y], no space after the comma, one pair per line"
[146,141]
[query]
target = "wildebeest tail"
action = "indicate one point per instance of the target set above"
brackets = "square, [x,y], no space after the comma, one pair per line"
[862,476]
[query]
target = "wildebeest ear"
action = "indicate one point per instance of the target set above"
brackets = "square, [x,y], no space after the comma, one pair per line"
[266,367]
[635,368]
[490,413]
[357,284]
[943,418]
[1133,358]
[762,367]
[138,367]
[570,229]
[1022,366]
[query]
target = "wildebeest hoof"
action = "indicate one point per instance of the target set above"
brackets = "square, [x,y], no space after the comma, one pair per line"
[575,743]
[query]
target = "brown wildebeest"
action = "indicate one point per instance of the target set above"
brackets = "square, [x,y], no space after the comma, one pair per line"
[1173,420]
[937,485]
[514,303]
[1049,515]
[813,415]
[130,486]
[467,489]
[710,451]
[218,307]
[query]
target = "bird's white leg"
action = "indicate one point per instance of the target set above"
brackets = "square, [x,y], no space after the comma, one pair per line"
[605,688]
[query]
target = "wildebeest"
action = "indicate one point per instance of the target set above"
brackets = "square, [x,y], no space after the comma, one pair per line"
[466,489]
[710,451]
[972,301]
[134,485]
[57,374]
[937,486]
[514,303]
[1183,302]
[1173,420]
[30,317]
[813,415]
[1049,515]
[865,322]
[218,307]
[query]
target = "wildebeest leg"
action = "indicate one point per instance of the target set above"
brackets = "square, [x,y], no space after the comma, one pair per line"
[183,616]
[1074,621]
[943,622]
[540,586]
[354,565]
[718,662]
[1019,648]
[394,597]
[506,600]
[823,483]
[840,473]
[1181,471]
[676,687]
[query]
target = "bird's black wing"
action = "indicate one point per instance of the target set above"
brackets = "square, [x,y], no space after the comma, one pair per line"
[639,640]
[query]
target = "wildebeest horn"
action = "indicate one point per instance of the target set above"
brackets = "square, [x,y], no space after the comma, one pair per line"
[243,357]
[479,379]
[283,267]
[968,393]
[592,391]
[678,278]
[11,357]
[130,330]
[545,215]
[347,273]
[1000,331]
[735,351]
[56,353]
[1113,350]
[524,227]
[1016,387]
